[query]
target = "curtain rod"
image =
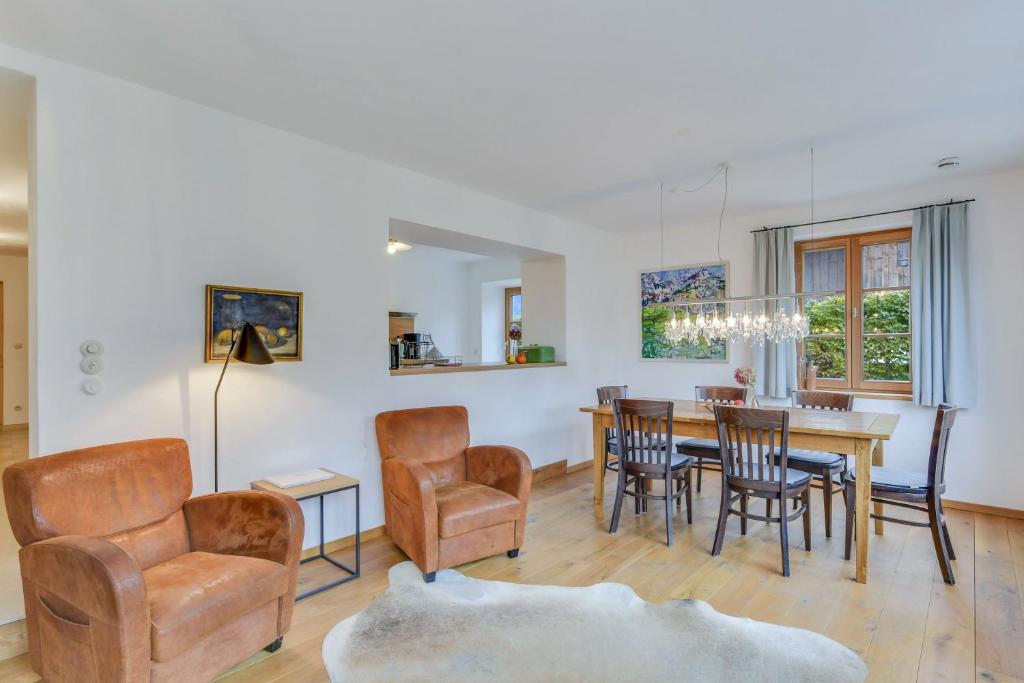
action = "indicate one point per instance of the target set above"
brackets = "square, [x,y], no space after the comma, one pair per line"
[866,215]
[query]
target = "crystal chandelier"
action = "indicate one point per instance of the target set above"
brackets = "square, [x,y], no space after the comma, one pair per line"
[743,319]
[750,319]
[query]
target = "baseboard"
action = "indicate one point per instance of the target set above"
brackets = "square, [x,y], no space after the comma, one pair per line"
[20,427]
[345,542]
[585,465]
[982,509]
[555,469]
[13,641]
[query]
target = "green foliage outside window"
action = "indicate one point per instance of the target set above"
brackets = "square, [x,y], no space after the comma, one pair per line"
[886,358]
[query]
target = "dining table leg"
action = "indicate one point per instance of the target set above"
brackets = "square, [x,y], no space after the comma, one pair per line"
[877,460]
[863,507]
[598,467]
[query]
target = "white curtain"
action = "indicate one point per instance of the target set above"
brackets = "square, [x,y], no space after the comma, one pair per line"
[775,273]
[943,365]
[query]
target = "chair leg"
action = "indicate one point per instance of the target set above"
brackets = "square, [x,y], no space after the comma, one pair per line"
[636,498]
[723,517]
[768,510]
[668,509]
[941,553]
[945,532]
[429,577]
[851,509]
[743,520]
[514,553]
[784,536]
[826,491]
[620,488]
[275,646]
[679,490]
[807,518]
[688,480]
[700,472]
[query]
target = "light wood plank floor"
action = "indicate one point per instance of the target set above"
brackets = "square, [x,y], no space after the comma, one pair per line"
[906,623]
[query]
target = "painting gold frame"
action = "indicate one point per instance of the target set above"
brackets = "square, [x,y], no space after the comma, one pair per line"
[208,321]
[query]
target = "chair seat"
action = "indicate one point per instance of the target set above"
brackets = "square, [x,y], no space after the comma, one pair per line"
[464,506]
[793,477]
[613,445]
[698,447]
[678,462]
[194,594]
[895,481]
[822,458]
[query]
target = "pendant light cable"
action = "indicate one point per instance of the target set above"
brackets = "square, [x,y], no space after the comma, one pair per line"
[721,214]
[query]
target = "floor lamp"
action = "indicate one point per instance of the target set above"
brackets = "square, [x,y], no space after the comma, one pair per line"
[247,347]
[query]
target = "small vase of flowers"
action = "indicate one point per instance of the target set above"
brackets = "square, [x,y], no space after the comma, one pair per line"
[747,377]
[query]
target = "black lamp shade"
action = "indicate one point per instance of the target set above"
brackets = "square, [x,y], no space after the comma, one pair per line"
[250,347]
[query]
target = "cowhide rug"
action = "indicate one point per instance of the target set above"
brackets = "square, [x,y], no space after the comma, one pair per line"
[463,629]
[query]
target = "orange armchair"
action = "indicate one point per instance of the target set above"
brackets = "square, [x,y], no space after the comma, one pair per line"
[446,502]
[127,579]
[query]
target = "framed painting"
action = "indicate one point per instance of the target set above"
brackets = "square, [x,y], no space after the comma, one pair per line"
[276,315]
[661,291]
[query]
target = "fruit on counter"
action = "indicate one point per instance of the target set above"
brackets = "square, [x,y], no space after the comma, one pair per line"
[521,358]
[510,360]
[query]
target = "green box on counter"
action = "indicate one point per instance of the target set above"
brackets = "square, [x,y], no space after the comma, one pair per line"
[539,354]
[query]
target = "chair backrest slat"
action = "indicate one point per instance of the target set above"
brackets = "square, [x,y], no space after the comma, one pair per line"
[754,444]
[725,395]
[823,400]
[645,431]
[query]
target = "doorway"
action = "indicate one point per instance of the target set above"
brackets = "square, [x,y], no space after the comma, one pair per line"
[17,112]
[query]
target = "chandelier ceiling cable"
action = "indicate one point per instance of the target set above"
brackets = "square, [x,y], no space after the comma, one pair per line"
[773,318]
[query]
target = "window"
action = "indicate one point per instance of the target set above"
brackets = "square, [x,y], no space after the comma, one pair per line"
[513,310]
[860,331]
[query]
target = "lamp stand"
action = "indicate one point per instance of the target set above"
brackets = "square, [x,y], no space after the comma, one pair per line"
[216,398]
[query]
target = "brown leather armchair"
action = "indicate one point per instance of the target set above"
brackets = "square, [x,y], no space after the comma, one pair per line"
[127,579]
[445,502]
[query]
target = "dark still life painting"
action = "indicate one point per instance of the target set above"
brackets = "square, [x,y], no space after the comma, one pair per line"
[276,315]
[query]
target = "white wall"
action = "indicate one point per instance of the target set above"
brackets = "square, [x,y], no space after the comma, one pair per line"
[14,275]
[430,283]
[543,305]
[985,464]
[142,199]
[486,282]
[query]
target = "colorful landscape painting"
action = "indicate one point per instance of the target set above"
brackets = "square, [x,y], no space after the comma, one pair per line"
[662,289]
[276,315]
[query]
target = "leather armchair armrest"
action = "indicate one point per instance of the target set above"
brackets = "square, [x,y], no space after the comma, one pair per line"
[252,523]
[91,584]
[502,467]
[411,510]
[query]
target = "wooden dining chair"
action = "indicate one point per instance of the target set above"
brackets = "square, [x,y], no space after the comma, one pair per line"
[754,449]
[825,466]
[914,490]
[707,449]
[644,429]
[605,395]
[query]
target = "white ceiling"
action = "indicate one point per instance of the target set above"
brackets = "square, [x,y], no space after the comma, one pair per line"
[15,109]
[580,107]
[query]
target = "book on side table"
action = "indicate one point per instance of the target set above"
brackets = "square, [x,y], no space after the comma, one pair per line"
[287,481]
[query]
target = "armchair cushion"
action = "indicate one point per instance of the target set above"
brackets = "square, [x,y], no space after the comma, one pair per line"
[194,594]
[466,506]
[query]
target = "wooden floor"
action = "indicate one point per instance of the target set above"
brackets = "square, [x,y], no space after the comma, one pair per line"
[906,623]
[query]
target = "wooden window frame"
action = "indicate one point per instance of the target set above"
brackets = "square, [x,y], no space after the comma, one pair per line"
[509,293]
[854,291]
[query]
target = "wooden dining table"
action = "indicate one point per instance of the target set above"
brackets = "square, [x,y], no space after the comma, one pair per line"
[849,433]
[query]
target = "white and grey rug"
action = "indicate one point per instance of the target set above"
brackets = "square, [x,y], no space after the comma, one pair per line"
[464,629]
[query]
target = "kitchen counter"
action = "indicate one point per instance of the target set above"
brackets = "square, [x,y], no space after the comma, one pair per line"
[472,367]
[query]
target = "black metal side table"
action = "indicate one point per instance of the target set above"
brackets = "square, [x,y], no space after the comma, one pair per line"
[319,489]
